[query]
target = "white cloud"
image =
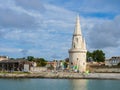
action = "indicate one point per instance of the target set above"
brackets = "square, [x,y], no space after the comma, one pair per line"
[105,34]
[46,31]
[47,38]
[9,49]
[93,6]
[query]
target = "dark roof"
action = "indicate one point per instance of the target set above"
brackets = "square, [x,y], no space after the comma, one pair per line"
[14,61]
[3,56]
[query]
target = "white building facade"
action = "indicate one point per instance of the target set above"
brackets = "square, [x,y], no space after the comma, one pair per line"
[77,53]
[113,61]
[4,58]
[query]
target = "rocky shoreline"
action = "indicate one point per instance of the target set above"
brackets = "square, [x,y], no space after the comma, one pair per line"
[63,75]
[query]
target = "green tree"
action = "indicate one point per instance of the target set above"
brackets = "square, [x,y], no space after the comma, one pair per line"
[118,64]
[89,56]
[98,55]
[65,65]
[30,58]
[67,60]
[12,58]
[41,62]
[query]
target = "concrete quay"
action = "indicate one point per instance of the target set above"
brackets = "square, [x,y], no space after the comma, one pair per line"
[63,75]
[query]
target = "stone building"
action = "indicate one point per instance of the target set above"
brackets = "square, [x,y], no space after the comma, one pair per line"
[112,61]
[15,65]
[77,53]
[3,58]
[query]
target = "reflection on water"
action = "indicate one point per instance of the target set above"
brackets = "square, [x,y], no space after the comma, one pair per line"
[95,84]
[80,84]
[58,84]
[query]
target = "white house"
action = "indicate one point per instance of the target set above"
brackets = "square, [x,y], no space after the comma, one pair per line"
[112,61]
[4,58]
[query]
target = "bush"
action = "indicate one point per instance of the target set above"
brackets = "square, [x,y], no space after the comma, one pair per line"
[119,64]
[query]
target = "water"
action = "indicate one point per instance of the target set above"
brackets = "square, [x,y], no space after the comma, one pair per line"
[58,84]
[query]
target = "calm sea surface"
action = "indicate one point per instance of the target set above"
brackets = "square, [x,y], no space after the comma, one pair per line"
[58,84]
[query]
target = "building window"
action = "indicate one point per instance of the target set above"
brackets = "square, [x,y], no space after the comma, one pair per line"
[77,40]
[77,59]
[74,45]
[83,63]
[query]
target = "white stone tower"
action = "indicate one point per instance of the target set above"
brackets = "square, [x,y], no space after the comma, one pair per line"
[77,54]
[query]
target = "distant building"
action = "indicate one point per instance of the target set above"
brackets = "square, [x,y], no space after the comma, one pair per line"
[112,61]
[55,64]
[77,53]
[4,58]
[15,65]
[50,63]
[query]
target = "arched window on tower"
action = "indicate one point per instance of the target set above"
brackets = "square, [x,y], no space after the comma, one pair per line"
[74,45]
[77,59]
[83,63]
[77,40]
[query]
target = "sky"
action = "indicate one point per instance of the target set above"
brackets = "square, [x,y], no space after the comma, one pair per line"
[44,28]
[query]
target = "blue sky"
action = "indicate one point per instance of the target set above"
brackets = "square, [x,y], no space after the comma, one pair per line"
[44,28]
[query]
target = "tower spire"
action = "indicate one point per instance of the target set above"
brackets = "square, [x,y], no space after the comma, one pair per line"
[77,54]
[77,30]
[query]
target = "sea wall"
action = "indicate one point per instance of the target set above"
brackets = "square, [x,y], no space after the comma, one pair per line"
[104,70]
[64,75]
[38,69]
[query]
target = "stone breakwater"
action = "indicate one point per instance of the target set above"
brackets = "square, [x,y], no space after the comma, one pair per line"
[63,75]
